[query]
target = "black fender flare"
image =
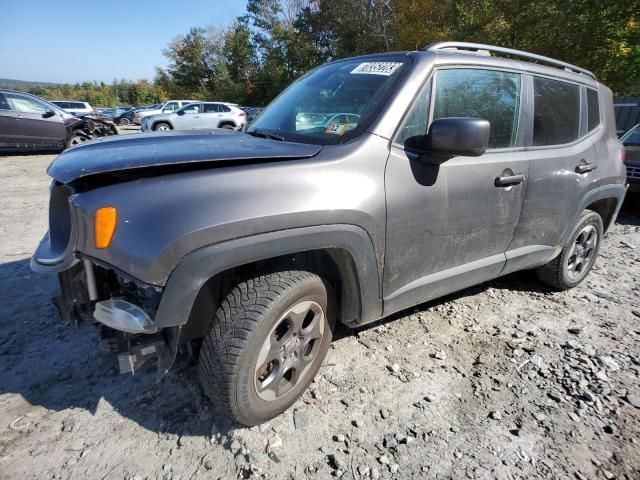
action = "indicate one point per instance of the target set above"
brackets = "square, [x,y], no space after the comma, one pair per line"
[616,191]
[198,267]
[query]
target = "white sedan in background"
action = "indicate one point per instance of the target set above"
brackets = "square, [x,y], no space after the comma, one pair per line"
[197,116]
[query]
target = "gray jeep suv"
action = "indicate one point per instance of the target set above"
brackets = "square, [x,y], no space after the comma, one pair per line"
[460,165]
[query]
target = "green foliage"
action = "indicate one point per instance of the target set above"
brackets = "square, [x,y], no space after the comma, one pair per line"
[276,41]
[119,93]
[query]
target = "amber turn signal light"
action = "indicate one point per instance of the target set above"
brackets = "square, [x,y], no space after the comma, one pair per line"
[105,225]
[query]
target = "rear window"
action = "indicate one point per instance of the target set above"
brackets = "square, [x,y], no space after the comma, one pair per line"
[593,109]
[556,112]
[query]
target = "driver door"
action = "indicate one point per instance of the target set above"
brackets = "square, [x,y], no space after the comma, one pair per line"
[190,117]
[448,226]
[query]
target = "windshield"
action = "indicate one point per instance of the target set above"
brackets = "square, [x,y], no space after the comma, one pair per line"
[331,103]
[632,137]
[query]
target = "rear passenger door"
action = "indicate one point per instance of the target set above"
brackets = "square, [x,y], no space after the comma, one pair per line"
[563,167]
[212,115]
[448,226]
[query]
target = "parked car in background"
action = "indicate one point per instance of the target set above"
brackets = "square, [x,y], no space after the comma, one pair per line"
[113,112]
[252,112]
[29,123]
[631,142]
[169,106]
[258,244]
[197,116]
[72,106]
[126,117]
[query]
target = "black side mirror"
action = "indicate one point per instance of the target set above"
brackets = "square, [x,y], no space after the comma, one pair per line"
[180,112]
[451,137]
[48,114]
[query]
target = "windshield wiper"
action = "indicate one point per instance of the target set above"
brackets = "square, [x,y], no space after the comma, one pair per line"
[264,134]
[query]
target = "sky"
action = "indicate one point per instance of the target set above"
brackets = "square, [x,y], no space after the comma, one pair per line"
[69,42]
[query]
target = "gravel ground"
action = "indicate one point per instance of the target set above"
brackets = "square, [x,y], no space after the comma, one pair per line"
[504,380]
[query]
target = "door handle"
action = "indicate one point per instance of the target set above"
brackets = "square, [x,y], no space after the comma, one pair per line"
[584,167]
[509,180]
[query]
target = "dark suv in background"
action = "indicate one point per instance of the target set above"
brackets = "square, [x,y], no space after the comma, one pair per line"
[29,123]
[440,169]
[631,142]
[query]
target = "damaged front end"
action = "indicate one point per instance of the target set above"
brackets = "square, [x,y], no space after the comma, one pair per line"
[95,293]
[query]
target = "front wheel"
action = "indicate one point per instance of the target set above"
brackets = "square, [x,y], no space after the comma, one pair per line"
[268,340]
[577,257]
[161,127]
[77,137]
[125,121]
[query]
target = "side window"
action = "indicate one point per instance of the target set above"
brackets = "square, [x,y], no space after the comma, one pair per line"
[224,108]
[593,109]
[192,108]
[25,104]
[211,108]
[418,118]
[171,106]
[488,94]
[556,118]
[4,105]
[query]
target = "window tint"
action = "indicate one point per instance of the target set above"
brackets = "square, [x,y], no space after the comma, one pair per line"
[192,108]
[593,109]
[25,104]
[224,108]
[211,108]
[487,94]
[631,138]
[556,117]
[4,105]
[418,118]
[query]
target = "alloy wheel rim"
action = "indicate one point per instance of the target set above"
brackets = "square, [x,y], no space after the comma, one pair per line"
[581,253]
[289,350]
[162,128]
[78,139]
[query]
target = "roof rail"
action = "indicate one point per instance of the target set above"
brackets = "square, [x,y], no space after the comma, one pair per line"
[479,47]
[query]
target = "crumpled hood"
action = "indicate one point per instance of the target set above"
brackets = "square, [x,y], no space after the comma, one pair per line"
[129,152]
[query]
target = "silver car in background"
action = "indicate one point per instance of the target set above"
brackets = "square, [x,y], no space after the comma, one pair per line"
[197,116]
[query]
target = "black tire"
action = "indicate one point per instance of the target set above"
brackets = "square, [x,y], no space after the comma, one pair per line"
[77,137]
[159,125]
[227,126]
[125,121]
[561,272]
[251,317]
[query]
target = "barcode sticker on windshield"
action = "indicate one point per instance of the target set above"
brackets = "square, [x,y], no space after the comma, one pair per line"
[377,68]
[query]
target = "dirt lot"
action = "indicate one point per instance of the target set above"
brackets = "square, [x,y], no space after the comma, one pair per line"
[504,380]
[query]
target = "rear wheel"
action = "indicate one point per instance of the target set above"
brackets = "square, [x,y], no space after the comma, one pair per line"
[576,259]
[268,340]
[124,121]
[228,127]
[162,127]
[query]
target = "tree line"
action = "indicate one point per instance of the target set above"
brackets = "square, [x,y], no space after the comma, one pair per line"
[276,41]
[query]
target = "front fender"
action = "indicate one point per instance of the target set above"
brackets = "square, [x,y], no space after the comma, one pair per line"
[195,269]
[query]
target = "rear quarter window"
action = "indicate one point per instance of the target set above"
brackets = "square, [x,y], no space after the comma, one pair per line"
[556,117]
[593,109]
